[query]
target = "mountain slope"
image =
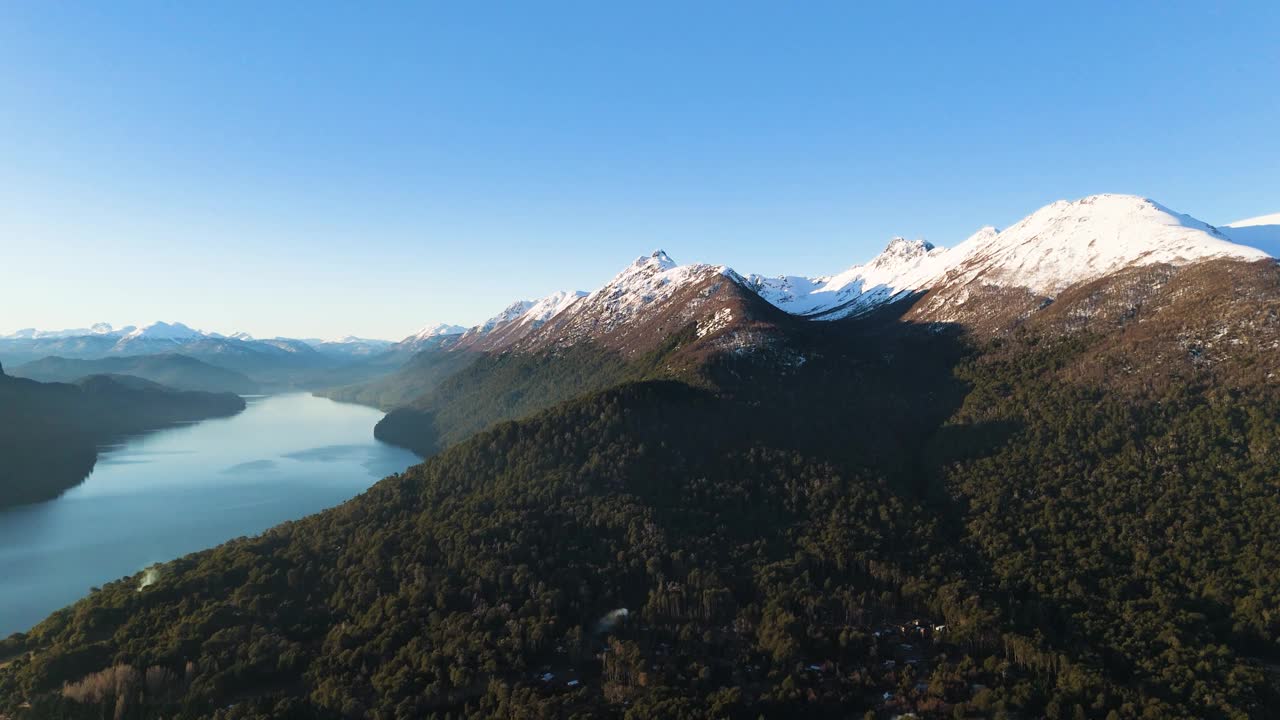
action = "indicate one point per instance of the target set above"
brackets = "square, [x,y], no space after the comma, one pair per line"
[1059,245]
[911,521]
[430,335]
[172,370]
[408,380]
[653,298]
[655,319]
[1065,243]
[707,507]
[49,432]
[903,267]
[516,322]
[988,284]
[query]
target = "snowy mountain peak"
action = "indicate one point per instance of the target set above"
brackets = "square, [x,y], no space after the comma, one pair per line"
[901,252]
[657,260]
[902,267]
[509,313]
[901,247]
[163,331]
[1116,212]
[1062,243]
[1067,242]
[634,296]
[99,329]
[983,234]
[429,331]
[548,307]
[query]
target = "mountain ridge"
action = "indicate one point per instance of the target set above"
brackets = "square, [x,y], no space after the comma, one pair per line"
[1058,245]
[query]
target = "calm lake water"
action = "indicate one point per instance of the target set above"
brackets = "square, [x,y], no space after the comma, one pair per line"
[175,491]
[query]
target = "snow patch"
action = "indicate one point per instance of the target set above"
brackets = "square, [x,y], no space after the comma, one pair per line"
[718,322]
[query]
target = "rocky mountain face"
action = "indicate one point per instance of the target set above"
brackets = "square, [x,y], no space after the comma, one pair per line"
[989,282]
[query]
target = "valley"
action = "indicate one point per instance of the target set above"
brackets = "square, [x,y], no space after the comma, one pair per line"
[153,497]
[1032,475]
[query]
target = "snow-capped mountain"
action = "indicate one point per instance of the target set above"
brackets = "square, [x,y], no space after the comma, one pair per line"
[1067,242]
[548,307]
[517,321]
[349,346]
[1262,232]
[434,335]
[652,297]
[163,331]
[97,329]
[903,267]
[1057,246]
[645,283]
[436,330]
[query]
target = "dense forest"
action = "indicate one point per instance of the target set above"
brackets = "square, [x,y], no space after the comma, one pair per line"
[50,432]
[910,521]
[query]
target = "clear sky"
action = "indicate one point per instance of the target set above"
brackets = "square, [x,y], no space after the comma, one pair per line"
[322,169]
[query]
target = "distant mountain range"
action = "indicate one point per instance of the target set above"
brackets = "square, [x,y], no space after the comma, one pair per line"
[1057,246]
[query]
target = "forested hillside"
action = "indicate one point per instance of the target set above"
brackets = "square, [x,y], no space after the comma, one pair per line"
[50,432]
[419,375]
[913,519]
[171,370]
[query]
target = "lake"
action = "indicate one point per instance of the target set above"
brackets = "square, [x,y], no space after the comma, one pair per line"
[165,494]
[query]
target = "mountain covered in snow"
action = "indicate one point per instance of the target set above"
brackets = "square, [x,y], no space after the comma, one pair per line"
[903,267]
[517,321]
[436,330]
[97,329]
[1057,246]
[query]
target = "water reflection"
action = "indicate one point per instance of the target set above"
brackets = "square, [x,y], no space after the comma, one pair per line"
[158,496]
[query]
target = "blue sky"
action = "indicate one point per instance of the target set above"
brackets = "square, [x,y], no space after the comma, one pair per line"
[332,168]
